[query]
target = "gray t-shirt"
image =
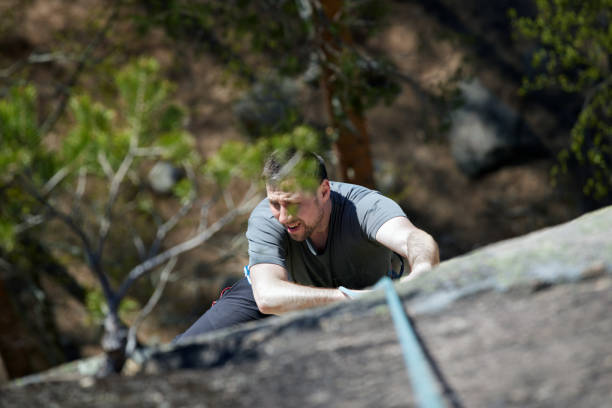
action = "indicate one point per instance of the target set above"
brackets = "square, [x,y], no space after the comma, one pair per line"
[352,256]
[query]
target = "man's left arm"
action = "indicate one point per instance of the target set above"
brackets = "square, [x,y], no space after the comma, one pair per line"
[412,243]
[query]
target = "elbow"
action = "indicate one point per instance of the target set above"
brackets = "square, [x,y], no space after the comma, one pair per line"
[265,304]
[422,247]
[265,307]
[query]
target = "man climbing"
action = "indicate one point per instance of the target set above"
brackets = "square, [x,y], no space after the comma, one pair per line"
[311,239]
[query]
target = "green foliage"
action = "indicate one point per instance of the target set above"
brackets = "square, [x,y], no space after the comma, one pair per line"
[7,234]
[229,28]
[103,141]
[361,83]
[574,40]
[183,190]
[288,35]
[97,308]
[245,160]
[96,305]
[21,142]
[144,119]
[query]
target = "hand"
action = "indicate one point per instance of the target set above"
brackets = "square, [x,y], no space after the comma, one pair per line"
[353,293]
[417,270]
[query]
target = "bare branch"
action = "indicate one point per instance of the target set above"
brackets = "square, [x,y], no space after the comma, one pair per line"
[92,260]
[55,180]
[105,164]
[52,119]
[249,201]
[77,198]
[38,58]
[140,248]
[146,311]
[8,72]
[80,190]
[123,169]
[204,212]
[166,227]
[229,201]
[30,221]
[149,151]
[118,178]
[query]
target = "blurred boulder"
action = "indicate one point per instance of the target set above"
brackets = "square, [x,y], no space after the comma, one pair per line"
[163,177]
[270,106]
[486,133]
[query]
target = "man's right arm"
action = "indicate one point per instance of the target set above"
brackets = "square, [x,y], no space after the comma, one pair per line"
[275,294]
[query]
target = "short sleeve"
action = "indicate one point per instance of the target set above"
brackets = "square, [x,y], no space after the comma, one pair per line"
[266,238]
[373,210]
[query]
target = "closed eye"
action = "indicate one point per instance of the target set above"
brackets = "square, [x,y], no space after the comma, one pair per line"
[293,209]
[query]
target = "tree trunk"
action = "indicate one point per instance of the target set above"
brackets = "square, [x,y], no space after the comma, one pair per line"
[114,341]
[20,350]
[352,146]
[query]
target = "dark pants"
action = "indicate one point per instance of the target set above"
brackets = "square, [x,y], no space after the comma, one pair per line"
[236,305]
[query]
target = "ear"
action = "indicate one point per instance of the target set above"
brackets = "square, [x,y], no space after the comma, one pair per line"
[324,190]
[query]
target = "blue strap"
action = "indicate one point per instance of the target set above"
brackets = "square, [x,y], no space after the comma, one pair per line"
[419,370]
[247,273]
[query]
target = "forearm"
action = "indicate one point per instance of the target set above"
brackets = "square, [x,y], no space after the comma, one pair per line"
[280,297]
[422,253]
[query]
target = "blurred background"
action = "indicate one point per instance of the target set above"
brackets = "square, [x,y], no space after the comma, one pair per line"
[132,133]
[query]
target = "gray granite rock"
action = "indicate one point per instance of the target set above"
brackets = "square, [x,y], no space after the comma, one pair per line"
[522,323]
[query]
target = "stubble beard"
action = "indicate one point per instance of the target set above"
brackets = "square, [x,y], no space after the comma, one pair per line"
[309,229]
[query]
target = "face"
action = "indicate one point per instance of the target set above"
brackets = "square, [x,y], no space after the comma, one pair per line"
[300,213]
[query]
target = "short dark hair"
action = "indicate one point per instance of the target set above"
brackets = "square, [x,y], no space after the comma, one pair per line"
[287,164]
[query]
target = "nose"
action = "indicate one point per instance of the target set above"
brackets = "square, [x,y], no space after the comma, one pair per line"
[284,216]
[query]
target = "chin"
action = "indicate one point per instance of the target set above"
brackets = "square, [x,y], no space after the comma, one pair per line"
[298,238]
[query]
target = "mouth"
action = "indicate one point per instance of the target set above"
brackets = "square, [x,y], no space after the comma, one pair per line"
[293,227]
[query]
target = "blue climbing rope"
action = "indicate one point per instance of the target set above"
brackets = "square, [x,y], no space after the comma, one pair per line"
[419,370]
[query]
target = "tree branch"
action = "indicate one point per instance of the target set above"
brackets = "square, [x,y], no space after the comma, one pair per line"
[52,119]
[105,165]
[166,227]
[30,222]
[92,259]
[146,311]
[106,220]
[55,180]
[594,90]
[246,205]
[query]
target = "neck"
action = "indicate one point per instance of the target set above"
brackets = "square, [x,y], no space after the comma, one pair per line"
[319,235]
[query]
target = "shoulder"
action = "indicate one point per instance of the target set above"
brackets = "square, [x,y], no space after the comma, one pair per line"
[359,196]
[352,192]
[365,208]
[261,219]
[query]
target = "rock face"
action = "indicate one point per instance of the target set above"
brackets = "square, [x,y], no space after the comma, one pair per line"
[522,323]
[486,133]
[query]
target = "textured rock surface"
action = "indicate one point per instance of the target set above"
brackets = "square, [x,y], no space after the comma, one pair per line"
[523,323]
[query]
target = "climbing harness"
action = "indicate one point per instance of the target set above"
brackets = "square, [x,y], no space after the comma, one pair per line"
[422,369]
